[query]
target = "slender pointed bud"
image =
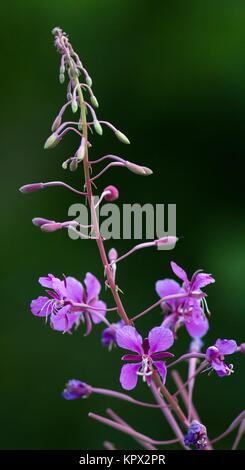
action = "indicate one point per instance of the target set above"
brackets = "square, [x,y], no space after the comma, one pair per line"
[31,188]
[81,151]
[112,255]
[89,81]
[122,137]
[51,227]
[138,170]
[166,241]
[98,128]
[52,141]
[74,106]
[73,164]
[61,78]
[65,165]
[112,193]
[56,123]
[39,221]
[94,101]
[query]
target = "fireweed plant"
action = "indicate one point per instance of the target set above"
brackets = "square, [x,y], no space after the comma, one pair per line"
[69,304]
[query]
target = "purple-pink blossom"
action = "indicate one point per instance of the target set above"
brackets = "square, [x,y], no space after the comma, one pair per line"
[216,356]
[189,309]
[149,356]
[75,389]
[108,337]
[68,302]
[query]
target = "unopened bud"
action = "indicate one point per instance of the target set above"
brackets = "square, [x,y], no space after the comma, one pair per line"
[242,348]
[98,128]
[112,255]
[61,78]
[51,227]
[31,188]
[89,81]
[94,101]
[122,137]
[65,164]
[73,164]
[52,141]
[39,221]
[75,389]
[167,241]
[138,170]
[56,123]
[112,193]
[62,69]
[74,106]
[81,151]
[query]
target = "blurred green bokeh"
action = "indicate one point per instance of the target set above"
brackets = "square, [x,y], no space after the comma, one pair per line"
[172,76]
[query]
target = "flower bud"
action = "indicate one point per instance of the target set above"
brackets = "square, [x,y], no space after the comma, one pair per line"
[74,106]
[94,101]
[39,221]
[76,389]
[98,128]
[73,164]
[31,188]
[138,170]
[112,255]
[122,137]
[113,193]
[52,141]
[242,348]
[169,240]
[89,81]
[65,164]
[61,78]
[81,151]
[62,69]
[51,227]
[56,123]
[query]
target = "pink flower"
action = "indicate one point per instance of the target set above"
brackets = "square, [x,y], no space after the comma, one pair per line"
[149,354]
[215,355]
[69,302]
[187,310]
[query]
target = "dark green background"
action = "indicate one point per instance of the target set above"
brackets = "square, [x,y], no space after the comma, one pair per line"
[171,75]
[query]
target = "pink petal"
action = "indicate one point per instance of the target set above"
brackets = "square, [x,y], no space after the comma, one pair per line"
[46,281]
[226,346]
[197,329]
[100,305]
[59,287]
[41,306]
[160,339]
[218,366]
[162,369]
[127,337]
[93,287]
[179,272]
[202,280]
[168,287]
[64,321]
[128,376]
[74,289]
[169,321]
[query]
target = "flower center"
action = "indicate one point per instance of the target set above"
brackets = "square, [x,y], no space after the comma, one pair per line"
[146,369]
